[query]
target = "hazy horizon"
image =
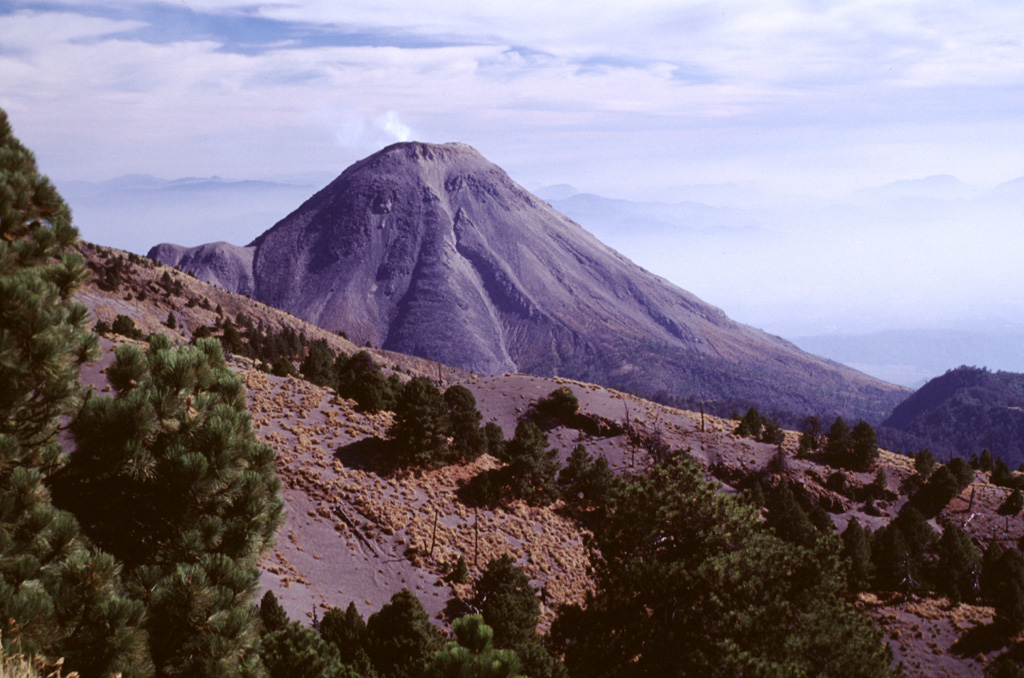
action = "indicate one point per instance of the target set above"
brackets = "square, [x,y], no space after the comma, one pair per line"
[858,161]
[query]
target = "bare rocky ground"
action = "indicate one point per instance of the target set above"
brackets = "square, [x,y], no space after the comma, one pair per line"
[356,533]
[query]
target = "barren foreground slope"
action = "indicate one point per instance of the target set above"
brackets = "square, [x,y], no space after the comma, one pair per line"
[356,532]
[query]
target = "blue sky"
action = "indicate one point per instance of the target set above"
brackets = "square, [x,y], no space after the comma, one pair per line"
[804,101]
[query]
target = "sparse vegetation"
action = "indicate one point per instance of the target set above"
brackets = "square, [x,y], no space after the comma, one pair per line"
[97,570]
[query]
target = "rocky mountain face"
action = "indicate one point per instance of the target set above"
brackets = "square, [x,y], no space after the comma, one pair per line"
[219,263]
[434,251]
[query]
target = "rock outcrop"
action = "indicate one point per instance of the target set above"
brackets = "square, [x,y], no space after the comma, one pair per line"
[219,263]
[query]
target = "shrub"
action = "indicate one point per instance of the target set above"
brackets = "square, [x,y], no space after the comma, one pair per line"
[1013,504]
[125,326]
[561,404]
[924,463]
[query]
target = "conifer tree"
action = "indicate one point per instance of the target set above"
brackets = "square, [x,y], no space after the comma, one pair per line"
[272,615]
[346,630]
[507,601]
[420,428]
[689,583]
[1003,476]
[986,462]
[168,477]
[531,468]
[958,570]
[863,447]
[1004,667]
[586,479]
[400,638]
[924,463]
[786,518]
[473,654]
[468,439]
[297,651]
[837,442]
[1002,584]
[59,597]
[857,551]
[318,365]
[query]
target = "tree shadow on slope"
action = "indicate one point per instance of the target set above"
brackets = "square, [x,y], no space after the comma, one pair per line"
[985,639]
[368,454]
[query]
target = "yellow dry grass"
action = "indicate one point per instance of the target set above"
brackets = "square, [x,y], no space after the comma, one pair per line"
[419,511]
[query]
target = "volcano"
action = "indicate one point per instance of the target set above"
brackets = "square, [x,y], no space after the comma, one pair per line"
[433,250]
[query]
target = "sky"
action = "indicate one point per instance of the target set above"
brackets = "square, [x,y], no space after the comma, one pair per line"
[775,112]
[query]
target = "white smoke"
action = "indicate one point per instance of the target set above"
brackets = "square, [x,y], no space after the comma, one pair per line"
[354,131]
[392,126]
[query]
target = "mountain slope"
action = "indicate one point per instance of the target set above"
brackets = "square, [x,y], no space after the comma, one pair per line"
[964,411]
[355,534]
[219,263]
[433,250]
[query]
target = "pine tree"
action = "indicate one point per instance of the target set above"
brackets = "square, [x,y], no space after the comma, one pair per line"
[690,583]
[59,597]
[400,638]
[318,365]
[468,439]
[420,428]
[837,442]
[750,426]
[531,468]
[346,630]
[168,477]
[1004,667]
[272,615]
[585,479]
[1013,504]
[473,654]
[1003,585]
[924,463]
[508,602]
[863,447]
[959,567]
[1002,475]
[786,518]
[857,551]
[936,492]
[297,651]
[561,405]
[962,471]
[986,462]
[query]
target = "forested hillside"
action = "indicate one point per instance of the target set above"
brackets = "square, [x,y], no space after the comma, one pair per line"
[965,411]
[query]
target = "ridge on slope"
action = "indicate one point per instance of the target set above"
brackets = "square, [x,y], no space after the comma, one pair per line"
[433,250]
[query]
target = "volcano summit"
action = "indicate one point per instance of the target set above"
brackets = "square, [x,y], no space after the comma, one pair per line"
[434,251]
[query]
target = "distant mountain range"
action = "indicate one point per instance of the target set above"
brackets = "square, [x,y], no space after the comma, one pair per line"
[912,357]
[434,251]
[128,210]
